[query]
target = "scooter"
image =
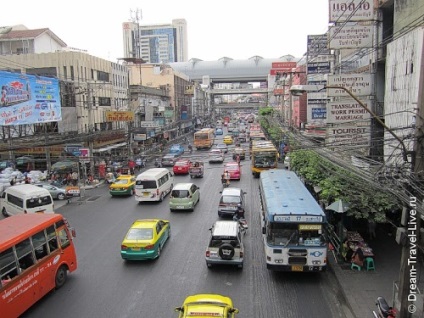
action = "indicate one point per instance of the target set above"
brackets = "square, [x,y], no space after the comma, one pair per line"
[383,309]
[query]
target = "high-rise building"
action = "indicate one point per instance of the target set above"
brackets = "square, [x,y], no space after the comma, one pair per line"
[158,43]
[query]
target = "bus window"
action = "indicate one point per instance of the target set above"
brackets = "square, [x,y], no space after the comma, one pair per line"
[63,238]
[52,239]
[24,253]
[8,268]
[40,245]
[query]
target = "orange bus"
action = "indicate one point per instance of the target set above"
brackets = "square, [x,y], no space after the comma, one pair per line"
[204,138]
[36,254]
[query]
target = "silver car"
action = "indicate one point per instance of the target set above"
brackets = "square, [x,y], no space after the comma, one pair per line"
[56,192]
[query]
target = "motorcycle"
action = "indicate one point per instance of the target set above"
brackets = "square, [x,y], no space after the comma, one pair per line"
[383,309]
[242,221]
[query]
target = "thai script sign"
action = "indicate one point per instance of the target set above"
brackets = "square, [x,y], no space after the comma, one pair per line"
[350,10]
[346,111]
[348,136]
[319,67]
[317,45]
[28,99]
[298,218]
[319,113]
[283,66]
[358,84]
[350,36]
[119,116]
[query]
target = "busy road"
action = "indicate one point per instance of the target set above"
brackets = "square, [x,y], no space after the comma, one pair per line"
[104,285]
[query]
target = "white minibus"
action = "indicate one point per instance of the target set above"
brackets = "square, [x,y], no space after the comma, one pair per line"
[153,184]
[25,198]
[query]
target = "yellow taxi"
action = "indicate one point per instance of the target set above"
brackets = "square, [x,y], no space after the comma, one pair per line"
[206,306]
[228,140]
[123,185]
[145,239]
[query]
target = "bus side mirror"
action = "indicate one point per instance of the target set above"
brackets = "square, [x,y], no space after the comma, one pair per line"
[263,230]
[178,309]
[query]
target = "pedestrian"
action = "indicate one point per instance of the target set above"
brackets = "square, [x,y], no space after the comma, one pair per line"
[371,228]
[74,178]
[13,181]
[358,257]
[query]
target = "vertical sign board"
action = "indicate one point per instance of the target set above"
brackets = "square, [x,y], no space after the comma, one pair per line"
[317,45]
[360,84]
[84,155]
[350,10]
[351,37]
[27,99]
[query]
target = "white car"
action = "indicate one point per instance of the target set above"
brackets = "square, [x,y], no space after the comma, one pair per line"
[216,155]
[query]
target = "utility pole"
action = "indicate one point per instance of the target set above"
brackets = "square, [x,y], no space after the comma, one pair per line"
[290,101]
[47,148]
[90,127]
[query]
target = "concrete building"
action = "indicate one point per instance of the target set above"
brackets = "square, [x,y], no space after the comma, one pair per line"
[158,43]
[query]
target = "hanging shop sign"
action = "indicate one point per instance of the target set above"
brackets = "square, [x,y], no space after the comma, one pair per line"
[348,135]
[350,10]
[359,84]
[119,116]
[346,111]
[350,37]
[317,45]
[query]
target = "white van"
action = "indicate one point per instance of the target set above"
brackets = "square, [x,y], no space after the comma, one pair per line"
[26,198]
[153,184]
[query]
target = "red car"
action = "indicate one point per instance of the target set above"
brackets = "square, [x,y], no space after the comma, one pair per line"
[181,166]
[234,170]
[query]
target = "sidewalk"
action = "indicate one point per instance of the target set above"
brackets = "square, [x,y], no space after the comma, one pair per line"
[361,288]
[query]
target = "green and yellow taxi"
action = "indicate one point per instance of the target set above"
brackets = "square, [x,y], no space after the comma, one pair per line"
[206,306]
[123,185]
[145,239]
[228,140]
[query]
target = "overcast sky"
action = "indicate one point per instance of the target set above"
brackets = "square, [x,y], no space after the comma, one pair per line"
[238,29]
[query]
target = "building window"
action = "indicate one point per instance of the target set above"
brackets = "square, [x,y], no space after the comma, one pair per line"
[65,72]
[72,73]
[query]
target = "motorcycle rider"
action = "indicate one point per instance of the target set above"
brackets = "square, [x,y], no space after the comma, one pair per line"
[190,148]
[225,178]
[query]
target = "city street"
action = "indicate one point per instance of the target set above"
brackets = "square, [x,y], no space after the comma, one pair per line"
[106,286]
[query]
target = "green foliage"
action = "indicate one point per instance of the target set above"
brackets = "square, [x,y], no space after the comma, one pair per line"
[337,183]
[266,111]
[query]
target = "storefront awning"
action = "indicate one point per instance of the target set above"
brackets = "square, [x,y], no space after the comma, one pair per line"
[104,149]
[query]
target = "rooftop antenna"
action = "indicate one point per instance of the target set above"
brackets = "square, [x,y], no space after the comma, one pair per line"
[136,16]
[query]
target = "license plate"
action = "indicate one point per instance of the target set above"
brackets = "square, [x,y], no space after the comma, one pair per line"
[180,169]
[40,211]
[135,248]
[180,207]
[297,268]
[146,194]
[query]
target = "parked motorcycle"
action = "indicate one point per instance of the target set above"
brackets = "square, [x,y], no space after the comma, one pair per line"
[383,309]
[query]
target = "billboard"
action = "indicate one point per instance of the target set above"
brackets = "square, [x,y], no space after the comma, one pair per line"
[317,45]
[360,84]
[346,111]
[348,135]
[319,68]
[119,116]
[351,37]
[28,99]
[350,10]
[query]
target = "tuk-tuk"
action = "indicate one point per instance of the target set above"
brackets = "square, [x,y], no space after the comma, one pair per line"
[196,169]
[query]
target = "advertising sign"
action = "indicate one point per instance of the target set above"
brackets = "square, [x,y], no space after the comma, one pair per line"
[350,10]
[140,137]
[84,155]
[319,67]
[348,136]
[346,111]
[317,45]
[318,113]
[283,66]
[358,84]
[119,116]
[298,218]
[28,99]
[350,37]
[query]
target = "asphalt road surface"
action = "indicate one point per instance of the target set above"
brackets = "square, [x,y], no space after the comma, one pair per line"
[106,286]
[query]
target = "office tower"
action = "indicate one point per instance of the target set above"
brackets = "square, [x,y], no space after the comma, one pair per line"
[158,43]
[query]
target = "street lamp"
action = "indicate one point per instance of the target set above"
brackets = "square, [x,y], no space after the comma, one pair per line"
[298,90]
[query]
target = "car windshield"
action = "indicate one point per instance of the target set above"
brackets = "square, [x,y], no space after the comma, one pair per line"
[140,234]
[230,199]
[179,193]
[122,181]
[36,202]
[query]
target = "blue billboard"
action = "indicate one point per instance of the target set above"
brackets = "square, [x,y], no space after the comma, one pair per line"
[28,99]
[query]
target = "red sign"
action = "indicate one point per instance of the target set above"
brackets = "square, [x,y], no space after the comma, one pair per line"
[284,65]
[278,91]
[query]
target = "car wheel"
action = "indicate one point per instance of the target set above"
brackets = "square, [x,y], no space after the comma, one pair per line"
[161,197]
[61,196]
[61,276]
[3,211]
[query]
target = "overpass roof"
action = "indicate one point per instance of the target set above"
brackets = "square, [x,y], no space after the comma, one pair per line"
[227,69]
